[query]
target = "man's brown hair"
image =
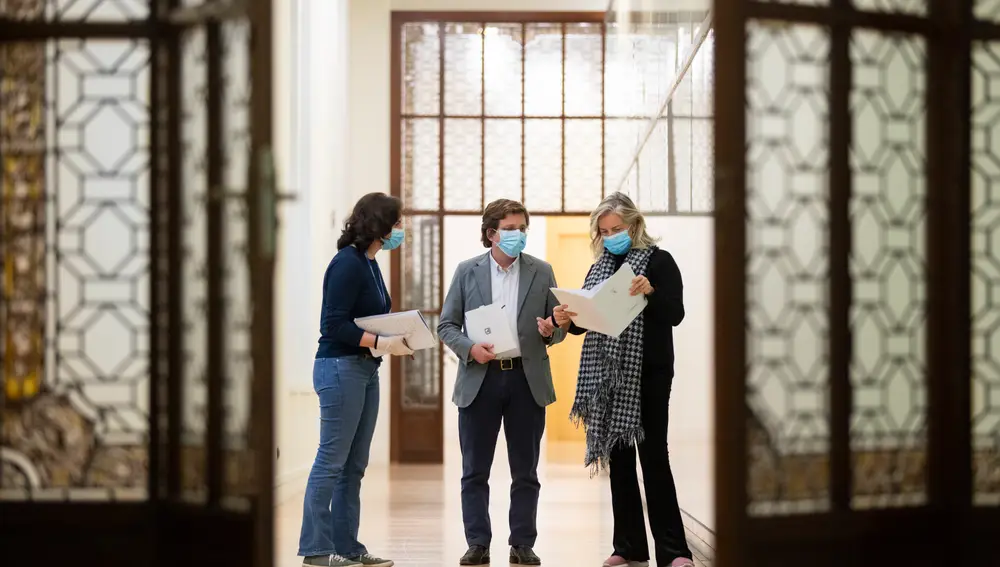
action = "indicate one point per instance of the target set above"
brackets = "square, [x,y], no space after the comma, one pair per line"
[496,212]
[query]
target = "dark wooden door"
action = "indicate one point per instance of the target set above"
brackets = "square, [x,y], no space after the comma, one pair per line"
[856,409]
[138,240]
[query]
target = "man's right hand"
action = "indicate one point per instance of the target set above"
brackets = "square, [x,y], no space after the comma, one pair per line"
[482,353]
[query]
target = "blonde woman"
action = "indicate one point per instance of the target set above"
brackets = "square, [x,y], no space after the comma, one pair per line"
[623,391]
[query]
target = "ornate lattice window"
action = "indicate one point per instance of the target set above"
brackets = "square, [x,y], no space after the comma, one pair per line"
[545,110]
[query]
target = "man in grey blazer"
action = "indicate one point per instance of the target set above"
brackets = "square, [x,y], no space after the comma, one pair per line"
[511,387]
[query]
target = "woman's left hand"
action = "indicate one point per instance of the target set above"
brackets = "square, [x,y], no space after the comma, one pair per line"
[640,284]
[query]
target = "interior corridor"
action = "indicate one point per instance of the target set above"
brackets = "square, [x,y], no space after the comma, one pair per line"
[412,513]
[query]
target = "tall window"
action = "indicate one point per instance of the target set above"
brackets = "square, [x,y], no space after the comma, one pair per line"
[551,113]
[548,111]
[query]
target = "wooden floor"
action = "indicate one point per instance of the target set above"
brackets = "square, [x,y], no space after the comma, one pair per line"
[412,514]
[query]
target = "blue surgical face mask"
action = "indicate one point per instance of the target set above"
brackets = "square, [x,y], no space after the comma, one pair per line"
[394,240]
[618,243]
[512,242]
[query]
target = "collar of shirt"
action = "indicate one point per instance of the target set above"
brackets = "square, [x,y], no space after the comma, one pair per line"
[499,270]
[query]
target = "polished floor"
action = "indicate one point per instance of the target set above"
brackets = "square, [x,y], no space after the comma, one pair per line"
[412,514]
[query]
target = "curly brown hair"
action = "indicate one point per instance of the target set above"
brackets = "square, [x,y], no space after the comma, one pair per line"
[495,212]
[373,217]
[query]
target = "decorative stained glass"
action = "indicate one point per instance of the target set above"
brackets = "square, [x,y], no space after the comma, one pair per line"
[238,475]
[652,192]
[421,386]
[621,138]
[463,70]
[502,62]
[422,290]
[888,371]
[543,70]
[78,423]
[194,192]
[543,165]
[914,7]
[680,154]
[583,143]
[23,145]
[701,77]
[503,159]
[421,171]
[985,273]
[584,79]
[987,10]
[641,62]
[703,165]
[421,68]
[463,167]
[788,437]
[90,11]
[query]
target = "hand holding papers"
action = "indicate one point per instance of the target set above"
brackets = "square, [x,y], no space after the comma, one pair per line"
[407,324]
[488,324]
[607,308]
[394,345]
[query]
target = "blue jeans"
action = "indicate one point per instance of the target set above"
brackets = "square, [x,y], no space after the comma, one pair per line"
[348,392]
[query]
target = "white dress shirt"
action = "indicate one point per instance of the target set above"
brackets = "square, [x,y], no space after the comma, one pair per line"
[505,284]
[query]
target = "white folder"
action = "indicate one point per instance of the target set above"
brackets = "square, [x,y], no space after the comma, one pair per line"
[488,324]
[607,308]
[410,324]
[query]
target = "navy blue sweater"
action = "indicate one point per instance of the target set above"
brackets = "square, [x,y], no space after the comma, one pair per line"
[352,287]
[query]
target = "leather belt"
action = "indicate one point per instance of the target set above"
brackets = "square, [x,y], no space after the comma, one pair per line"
[506,364]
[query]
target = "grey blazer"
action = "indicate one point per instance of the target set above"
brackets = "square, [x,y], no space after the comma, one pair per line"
[470,289]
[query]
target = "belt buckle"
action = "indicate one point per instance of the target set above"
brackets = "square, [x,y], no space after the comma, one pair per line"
[506,364]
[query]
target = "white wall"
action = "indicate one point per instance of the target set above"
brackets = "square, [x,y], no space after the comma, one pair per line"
[691,242]
[311,128]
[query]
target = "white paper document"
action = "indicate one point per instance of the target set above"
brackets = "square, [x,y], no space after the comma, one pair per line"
[410,324]
[607,308]
[488,324]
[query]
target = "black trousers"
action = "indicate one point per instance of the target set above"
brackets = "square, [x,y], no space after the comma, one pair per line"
[661,495]
[504,397]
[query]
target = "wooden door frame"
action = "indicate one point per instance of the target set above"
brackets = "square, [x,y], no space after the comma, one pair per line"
[938,530]
[163,529]
[432,420]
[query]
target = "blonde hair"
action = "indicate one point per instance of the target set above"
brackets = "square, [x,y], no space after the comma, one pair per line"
[621,205]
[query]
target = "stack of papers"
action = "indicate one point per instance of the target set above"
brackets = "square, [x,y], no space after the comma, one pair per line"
[410,324]
[489,324]
[607,308]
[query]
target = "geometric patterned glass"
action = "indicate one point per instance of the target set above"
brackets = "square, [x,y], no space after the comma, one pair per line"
[787,162]
[985,213]
[491,110]
[888,426]
[74,136]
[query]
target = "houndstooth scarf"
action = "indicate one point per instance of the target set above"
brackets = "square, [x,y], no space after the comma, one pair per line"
[608,394]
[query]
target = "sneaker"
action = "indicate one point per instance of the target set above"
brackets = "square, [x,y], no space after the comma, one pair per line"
[328,561]
[619,561]
[476,555]
[682,562]
[372,561]
[523,555]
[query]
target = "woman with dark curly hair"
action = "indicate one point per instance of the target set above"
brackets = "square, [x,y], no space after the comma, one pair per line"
[345,376]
